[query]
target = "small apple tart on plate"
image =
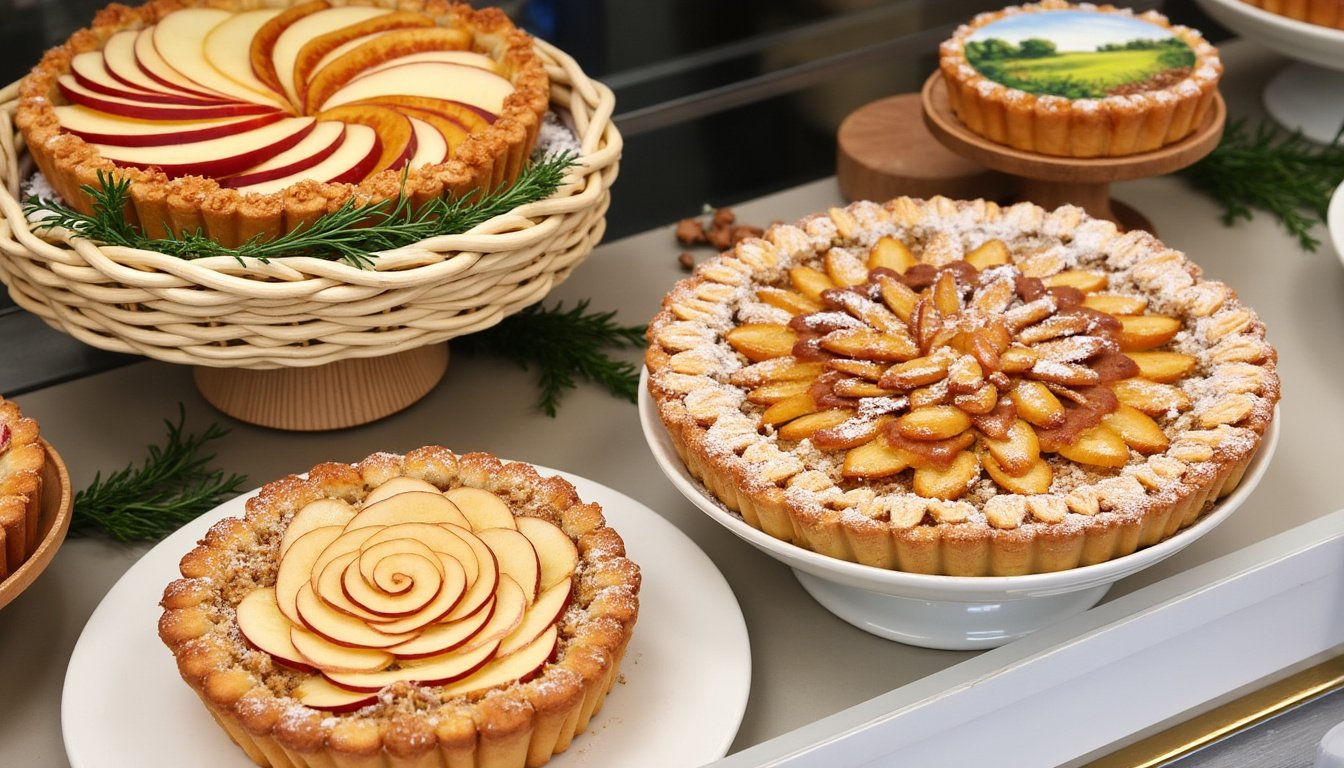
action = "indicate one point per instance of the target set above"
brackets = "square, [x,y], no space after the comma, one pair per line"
[244,121]
[445,610]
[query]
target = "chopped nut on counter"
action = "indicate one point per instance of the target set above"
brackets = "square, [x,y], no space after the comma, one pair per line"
[686,260]
[691,232]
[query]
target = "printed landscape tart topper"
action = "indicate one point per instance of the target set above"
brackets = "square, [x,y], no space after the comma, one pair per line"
[1079,80]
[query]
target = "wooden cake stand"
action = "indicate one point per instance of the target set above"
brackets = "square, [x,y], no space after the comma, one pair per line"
[1051,181]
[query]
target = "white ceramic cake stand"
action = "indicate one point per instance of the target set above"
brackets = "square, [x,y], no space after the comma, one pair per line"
[947,612]
[1307,95]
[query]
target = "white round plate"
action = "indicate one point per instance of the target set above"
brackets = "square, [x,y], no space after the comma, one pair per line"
[1334,221]
[685,678]
[950,612]
[1303,96]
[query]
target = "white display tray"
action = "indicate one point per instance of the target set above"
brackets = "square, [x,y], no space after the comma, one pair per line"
[1126,667]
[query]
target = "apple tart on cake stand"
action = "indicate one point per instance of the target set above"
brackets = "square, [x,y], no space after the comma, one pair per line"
[252,122]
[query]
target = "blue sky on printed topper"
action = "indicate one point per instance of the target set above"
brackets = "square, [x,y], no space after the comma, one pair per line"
[1071,30]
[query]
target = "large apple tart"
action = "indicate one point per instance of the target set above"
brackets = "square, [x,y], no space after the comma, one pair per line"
[253,118]
[22,459]
[1079,80]
[951,387]
[427,609]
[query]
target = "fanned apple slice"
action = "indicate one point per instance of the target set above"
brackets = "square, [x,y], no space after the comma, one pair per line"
[519,665]
[543,613]
[397,485]
[222,44]
[431,146]
[320,693]
[448,598]
[409,507]
[97,127]
[555,551]
[435,670]
[516,557]
[354,159]
[322,77]
[214,157]
[450,131]
[509,608]
[90,70]
[314,52]
[445,539]
[441,638]
[315,514]
[395,579]
[291,40]
[324,140]
[393,128]
[482,508]
[300,567]
[264,626]
[180,39]
[338,627]
[120,63]
[136,109]
[151,63]
[261,53]
[328,656]
[433,79]
[468,58]
[484,586]
[330,588]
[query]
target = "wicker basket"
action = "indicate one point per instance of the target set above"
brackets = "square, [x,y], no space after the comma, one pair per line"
[301,312]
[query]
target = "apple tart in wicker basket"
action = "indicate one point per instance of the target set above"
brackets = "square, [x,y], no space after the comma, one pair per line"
[427,609]
[318,103]
[951,387]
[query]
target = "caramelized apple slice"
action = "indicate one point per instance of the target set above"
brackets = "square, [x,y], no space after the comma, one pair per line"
[1084,280]
[890,253]
[1115,304]
[1141,332]
[810,283]
[844,269]
[1100,446]
[899,297]
[789,409]
[857,387]
[1036,479]
[761,341]
[875,459]
[849,434]
[1017,452]
[918,372]
[934,422]
[1037,404]
[772,393]
[792,302]
[951,482]
[1151,397]
[805,426]
[1162,366]
[1137,430]
[992,253]
[870,345]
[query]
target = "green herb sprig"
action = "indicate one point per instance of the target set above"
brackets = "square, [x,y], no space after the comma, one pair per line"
[172,486]
[1274,171]
[563,345]
[350,233]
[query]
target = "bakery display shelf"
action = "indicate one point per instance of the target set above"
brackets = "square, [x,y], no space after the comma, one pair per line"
[339,335]
[57,505]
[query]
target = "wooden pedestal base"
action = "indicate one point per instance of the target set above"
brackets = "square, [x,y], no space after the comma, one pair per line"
[1051,181]
[342,394]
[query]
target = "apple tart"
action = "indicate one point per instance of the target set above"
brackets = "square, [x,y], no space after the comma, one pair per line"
[427,609]
[22,459]
[951,387]
[1079,80]
[1326,13]
[254,119]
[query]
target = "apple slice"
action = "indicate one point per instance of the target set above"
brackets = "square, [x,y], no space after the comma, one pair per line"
[441,638]
[98,127]
[448,540]
[328,656]
[543,613]
[483,588]
[341,628]
[90,70]
[516,557]
[151,63]
[330,587]
[510,608]
[482,508]
[264,626]
[329,74]
[400,484]
[432,79]
[290,41]
[395,579]
[121,65]
[223,156]
[315,514]
[468,58]
[431,146]
[297,567]
[444,602]
[349,541]
[350,162]
[260,52]
[519,665]
[182,40]
[393,128]
[317,146]
[555,550]
[222,44]
[154,110]
[435,670]
[469,117]
[451,133]
[320,693]
[409,507]
[385,27]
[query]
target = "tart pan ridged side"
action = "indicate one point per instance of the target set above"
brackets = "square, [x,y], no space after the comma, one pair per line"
[510,727]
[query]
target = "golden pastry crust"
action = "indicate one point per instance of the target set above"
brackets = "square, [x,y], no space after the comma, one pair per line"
[1110,126]
[1326,13]
[839,469]
[486,159]
[22,459]
[517,724]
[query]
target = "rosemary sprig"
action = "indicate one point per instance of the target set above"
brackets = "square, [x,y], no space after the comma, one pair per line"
[350,233]
[563,344]
[173,486]
[1268,169]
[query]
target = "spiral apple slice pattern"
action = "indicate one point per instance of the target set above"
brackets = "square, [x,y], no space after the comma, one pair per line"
[261,99]
[415,585]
